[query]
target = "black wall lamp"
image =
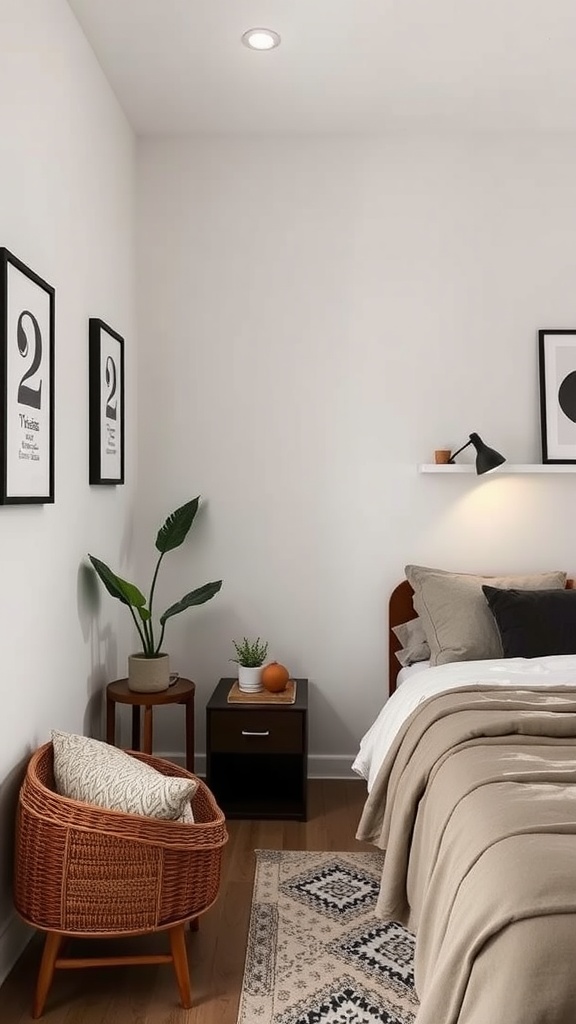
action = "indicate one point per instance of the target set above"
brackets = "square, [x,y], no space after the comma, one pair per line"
[486,458]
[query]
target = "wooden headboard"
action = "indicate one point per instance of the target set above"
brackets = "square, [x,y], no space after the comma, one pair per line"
[401,609]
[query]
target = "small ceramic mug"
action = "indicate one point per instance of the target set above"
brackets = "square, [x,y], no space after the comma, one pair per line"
[442,456]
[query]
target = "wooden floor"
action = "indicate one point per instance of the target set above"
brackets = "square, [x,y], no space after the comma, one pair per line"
[148,995]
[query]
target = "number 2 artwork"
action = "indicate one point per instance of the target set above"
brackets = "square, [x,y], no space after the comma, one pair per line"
[106,404]
[26,384]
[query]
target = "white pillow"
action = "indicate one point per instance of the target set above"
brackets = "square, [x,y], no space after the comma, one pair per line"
[98,773]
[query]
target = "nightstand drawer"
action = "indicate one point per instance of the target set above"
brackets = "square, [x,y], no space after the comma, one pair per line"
[278,732]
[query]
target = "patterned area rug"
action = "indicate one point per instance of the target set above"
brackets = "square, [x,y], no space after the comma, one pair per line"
[317,954]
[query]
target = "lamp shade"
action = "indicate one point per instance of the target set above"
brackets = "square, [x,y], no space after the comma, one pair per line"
[486,458]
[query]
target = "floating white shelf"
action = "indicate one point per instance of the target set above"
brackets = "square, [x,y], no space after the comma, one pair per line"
[432,467]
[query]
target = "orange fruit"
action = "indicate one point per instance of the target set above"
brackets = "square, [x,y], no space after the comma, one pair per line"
[275,677]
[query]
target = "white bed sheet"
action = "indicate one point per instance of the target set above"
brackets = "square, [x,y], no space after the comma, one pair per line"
[556,670]
[410,670]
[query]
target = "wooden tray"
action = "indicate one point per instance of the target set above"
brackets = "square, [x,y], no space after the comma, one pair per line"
[287,696]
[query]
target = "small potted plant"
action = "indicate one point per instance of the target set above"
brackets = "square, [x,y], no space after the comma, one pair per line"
[251,655]
[149,669]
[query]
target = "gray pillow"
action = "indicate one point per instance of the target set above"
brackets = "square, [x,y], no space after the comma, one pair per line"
[455,617]
[414,643]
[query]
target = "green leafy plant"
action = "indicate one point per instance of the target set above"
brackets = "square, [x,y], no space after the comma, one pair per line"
[251,653]
[170,536]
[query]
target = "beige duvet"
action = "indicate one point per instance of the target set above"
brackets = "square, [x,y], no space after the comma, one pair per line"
[475,805]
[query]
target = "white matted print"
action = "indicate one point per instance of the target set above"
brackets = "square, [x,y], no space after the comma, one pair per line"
[557,361]
[106,405]
[26,384]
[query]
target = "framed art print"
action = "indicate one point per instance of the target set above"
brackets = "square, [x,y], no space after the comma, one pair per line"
[557,363]
[26,384]
[106,404]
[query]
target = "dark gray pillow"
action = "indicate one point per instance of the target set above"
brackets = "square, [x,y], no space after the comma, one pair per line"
[534,623]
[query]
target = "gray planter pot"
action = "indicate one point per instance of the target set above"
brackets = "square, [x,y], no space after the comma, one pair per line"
[148,675]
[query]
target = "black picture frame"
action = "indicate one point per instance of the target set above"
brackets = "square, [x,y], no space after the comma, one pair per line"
[105,403]
[557,371]
[27,327]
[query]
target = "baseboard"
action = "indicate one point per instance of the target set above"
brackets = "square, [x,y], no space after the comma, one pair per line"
[14,937]
[320,766]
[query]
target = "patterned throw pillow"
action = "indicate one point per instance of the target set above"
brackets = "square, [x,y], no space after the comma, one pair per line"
[98,773]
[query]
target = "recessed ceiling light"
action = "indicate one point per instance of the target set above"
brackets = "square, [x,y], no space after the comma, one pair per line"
[261,39]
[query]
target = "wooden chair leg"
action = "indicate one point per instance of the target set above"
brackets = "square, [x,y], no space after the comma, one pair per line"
[195,924]
[46,971]
[180,960]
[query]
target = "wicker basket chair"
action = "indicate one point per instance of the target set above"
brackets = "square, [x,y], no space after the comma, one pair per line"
[81,870]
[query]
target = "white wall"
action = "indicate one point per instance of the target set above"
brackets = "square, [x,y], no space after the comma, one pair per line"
[316,316]
[66,210]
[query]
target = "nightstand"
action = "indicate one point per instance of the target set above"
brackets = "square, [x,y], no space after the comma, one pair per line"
[257,755]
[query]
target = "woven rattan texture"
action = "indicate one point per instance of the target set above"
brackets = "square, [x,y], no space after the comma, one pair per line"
[84,870]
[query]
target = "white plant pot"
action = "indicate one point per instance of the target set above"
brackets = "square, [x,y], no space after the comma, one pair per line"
[250,679]
[148,675]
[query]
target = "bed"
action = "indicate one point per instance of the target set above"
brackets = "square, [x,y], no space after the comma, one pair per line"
[471,772]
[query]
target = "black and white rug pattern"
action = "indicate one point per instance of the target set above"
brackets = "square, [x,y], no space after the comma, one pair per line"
[317,953]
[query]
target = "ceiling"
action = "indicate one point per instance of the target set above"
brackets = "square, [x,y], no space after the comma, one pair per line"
[343,65]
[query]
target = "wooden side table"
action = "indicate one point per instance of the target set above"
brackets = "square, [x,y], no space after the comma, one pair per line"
[182,692]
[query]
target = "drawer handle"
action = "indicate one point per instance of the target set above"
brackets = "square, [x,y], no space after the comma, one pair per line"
[246,733]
